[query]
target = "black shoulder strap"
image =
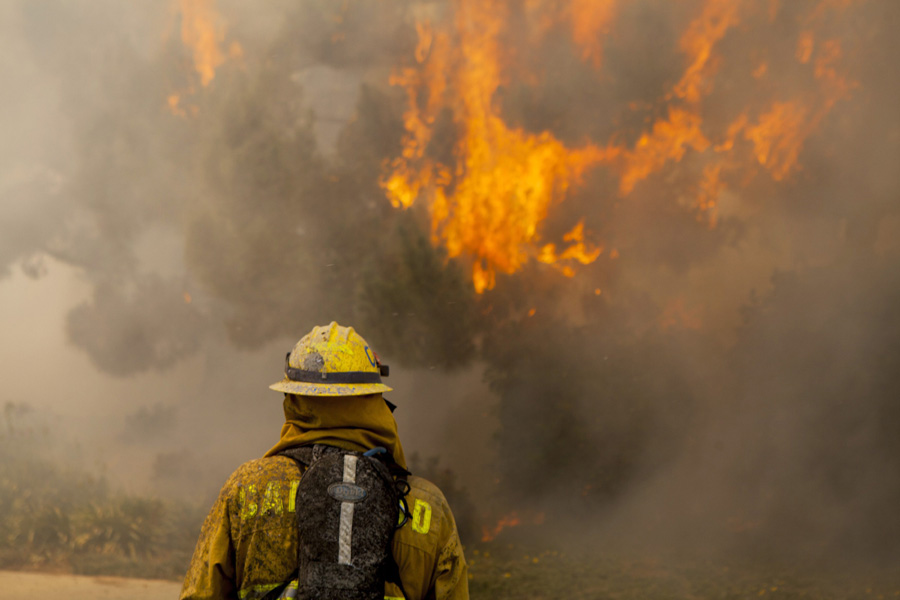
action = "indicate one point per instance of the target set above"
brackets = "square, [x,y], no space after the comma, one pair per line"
[393,573]
[304,455]
[402,489]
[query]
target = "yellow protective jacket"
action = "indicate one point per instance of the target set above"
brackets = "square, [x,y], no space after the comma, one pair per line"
[249,542]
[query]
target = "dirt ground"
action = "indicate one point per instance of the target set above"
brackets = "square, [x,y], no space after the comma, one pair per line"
[27,586]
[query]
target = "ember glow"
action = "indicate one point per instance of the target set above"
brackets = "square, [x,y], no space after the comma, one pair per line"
[490,202]
[510,520]
[203,34]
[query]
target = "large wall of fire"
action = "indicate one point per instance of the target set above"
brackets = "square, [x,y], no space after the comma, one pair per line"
[489,196]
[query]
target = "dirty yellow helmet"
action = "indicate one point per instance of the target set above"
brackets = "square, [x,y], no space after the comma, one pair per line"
[332,361]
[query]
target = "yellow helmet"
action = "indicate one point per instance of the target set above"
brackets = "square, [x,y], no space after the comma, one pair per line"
[332,361]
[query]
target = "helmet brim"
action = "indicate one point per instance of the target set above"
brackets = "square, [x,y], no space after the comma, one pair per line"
[300,388]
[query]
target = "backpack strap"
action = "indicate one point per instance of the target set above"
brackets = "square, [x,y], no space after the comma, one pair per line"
[393,574]
[402,488]
[303,455]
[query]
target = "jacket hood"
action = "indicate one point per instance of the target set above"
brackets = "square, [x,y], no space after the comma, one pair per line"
[357,423]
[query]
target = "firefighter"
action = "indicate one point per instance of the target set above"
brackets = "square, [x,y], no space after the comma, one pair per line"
[248,544]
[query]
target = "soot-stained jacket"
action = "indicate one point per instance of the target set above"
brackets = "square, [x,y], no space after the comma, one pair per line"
[249,542]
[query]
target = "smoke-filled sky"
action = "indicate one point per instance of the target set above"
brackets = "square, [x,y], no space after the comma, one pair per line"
[103,339]
[188,187]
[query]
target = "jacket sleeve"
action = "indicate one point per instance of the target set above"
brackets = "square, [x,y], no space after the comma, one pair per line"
[428,550]
[451,576]
[211,575]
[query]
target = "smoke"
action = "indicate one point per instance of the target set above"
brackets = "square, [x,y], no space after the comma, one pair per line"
[747,407]
[727,367]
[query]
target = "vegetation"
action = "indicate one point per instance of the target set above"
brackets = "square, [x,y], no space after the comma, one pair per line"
[54,517]
[501,570]
[788,418]
[509,571]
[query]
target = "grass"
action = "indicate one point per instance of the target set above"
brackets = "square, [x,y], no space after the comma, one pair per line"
[62,520]
[500,572]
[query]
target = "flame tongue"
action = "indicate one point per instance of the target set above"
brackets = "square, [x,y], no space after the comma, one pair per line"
[506,521]
[489,202]
[203,32]
[512,519]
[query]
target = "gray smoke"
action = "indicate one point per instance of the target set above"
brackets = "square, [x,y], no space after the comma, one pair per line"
[725,381]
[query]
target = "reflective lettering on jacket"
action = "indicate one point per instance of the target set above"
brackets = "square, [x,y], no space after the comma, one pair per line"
[421,517]
[248,543]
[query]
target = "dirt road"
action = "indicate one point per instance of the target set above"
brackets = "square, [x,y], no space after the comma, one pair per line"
[27,586]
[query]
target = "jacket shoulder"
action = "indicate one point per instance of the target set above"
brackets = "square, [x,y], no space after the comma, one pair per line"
[428,545]
[421,487]
[258,472]
[430,523]
[264,468]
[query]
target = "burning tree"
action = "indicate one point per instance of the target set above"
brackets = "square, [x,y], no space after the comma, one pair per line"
[579,197]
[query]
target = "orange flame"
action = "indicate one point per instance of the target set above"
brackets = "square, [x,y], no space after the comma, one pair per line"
[513,519]
[778,137]
[579,251]
[669,140]
[698,43]
[591,20]
[201,33]
[173,102]
[490,200]
[510,520]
